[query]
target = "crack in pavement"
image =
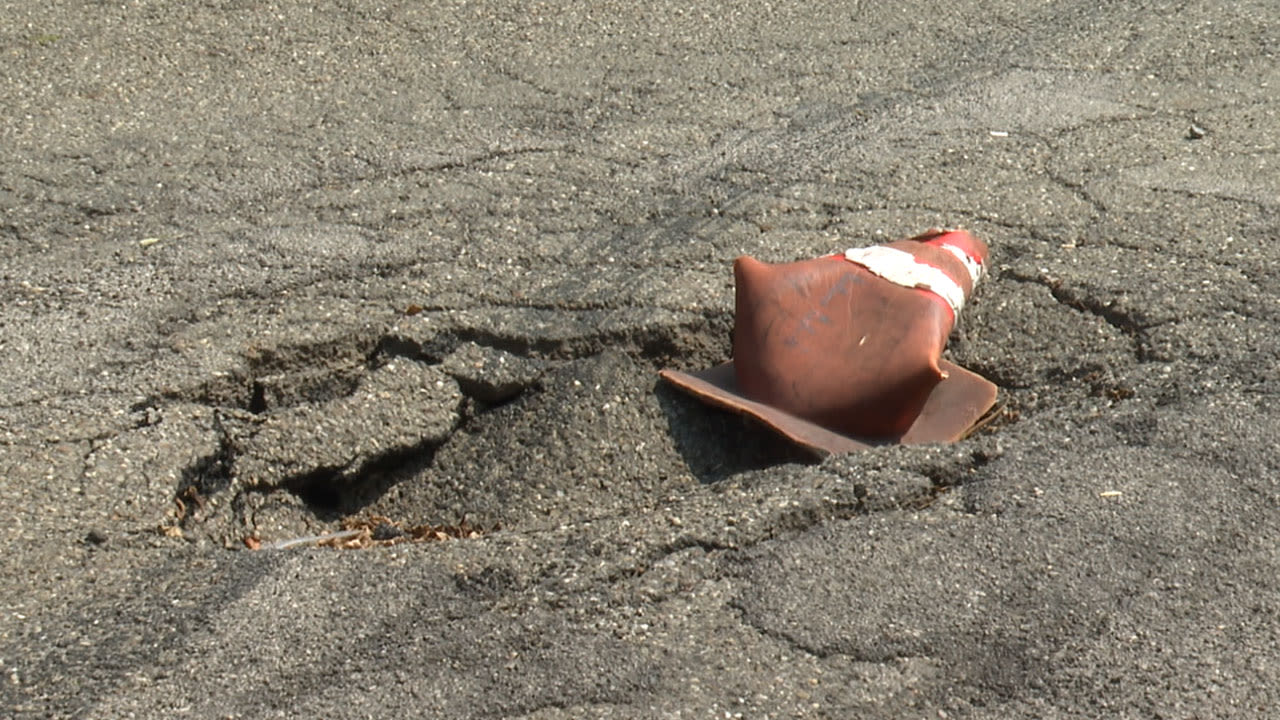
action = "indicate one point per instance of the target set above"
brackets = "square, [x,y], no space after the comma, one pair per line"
[1130,323]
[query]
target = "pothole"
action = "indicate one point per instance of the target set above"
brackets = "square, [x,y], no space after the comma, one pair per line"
[533,417]
[315,462]
[311,445]
[335,493]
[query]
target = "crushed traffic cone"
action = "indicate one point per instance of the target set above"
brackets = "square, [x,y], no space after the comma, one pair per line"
[843,352]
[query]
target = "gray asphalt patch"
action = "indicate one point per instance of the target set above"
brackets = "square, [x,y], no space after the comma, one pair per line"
[270,271]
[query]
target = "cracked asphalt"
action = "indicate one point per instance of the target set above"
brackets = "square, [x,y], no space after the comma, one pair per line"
[271,267]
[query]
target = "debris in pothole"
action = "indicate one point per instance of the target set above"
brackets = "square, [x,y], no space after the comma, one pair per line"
[490,375]
[385,530]
[844,351]
[372,531]
[398,408]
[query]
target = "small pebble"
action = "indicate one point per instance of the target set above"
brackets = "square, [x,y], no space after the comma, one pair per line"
[386,531]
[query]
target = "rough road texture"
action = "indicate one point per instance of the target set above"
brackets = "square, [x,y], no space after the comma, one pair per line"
[267,268]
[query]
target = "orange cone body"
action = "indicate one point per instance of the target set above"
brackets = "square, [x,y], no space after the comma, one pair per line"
[829,341]
[845,350]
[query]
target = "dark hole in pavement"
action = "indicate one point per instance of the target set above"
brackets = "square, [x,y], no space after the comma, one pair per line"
[331,495]
[319,490]
[582,420]
[208,475]
[258,401]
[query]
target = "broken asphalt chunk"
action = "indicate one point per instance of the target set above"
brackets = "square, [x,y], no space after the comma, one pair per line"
[398,408]
[490,375]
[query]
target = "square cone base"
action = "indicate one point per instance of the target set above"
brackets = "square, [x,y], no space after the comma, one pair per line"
[953,408]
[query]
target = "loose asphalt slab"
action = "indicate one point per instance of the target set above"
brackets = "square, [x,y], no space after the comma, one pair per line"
[407,271]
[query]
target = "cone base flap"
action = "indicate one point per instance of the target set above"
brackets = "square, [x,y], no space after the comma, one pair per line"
[954,406]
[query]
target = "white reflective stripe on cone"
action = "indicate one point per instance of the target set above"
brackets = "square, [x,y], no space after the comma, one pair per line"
[971,264]
[901,268]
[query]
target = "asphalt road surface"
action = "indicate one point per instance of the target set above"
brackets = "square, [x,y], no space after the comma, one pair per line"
[277,271]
